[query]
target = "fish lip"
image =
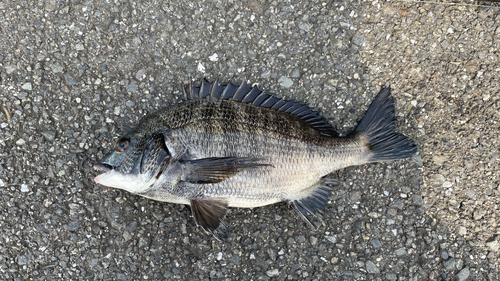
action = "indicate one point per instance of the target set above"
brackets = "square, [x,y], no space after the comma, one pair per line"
[103,167]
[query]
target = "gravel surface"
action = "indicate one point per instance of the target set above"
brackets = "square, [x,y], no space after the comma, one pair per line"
[76,74]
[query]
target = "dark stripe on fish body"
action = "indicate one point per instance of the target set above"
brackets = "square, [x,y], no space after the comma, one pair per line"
[229,117]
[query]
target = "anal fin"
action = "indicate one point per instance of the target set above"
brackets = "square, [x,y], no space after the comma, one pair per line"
[311,204]
[209,213]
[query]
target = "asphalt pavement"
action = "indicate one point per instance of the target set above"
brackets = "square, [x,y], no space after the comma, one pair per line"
[74,75]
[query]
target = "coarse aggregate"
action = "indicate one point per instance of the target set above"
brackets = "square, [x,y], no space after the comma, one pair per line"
[76,74]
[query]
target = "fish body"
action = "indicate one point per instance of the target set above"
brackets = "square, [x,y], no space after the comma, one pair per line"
[235,146]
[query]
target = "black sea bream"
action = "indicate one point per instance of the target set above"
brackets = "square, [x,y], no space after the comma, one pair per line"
[236,146]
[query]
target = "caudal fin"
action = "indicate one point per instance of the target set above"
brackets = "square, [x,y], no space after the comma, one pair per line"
[378,130]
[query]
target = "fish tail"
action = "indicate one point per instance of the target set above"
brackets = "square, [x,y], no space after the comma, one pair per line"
[378,131]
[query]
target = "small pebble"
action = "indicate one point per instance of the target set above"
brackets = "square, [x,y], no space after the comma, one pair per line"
[463,274]
[56,68]
[201,68]
[272,272]
[27,86]
[331,239]
[493,245]
[447,184]
[266,74]
[49,135]
[214,57]
[376,243]
[444,255]
[371,267]
[285,82]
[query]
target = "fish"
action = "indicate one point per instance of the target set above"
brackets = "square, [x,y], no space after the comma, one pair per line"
[229,145]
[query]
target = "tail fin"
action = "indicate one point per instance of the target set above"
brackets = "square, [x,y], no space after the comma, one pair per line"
[378,130]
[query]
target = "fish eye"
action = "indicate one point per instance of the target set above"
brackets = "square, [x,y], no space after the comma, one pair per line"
[121,145]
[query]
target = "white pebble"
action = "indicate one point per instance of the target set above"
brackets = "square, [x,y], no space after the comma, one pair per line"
[213,57]
[447,184]
[201,68]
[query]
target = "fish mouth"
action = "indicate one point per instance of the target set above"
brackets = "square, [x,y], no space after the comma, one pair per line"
[101,167]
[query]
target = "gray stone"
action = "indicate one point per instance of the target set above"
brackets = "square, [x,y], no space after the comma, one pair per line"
[140,73]
[376,243]
[272,254]
[359,39]
[313,240]
[272,272]
[22,260]
[70,79]
[132,87]
[417,159]
[417,199]
[401,251]
[304,26]
[331,239]
[285,82]
[266,74]
[398,204]
[450,264]
[57,68]
[444,255]
[355,196]
[295,74]
[27,86]
[49,135]
[22,95]
[493,245]
[463,274]
[391,276]
[371,267]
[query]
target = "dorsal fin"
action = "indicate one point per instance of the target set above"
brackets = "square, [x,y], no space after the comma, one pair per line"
[254,96]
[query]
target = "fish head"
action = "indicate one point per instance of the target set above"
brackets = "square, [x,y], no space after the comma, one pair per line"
[136,162]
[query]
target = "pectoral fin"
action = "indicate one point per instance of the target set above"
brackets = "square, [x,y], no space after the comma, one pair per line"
[214,170]
[209,213]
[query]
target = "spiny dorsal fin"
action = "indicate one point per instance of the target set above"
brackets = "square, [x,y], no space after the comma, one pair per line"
[254,96]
